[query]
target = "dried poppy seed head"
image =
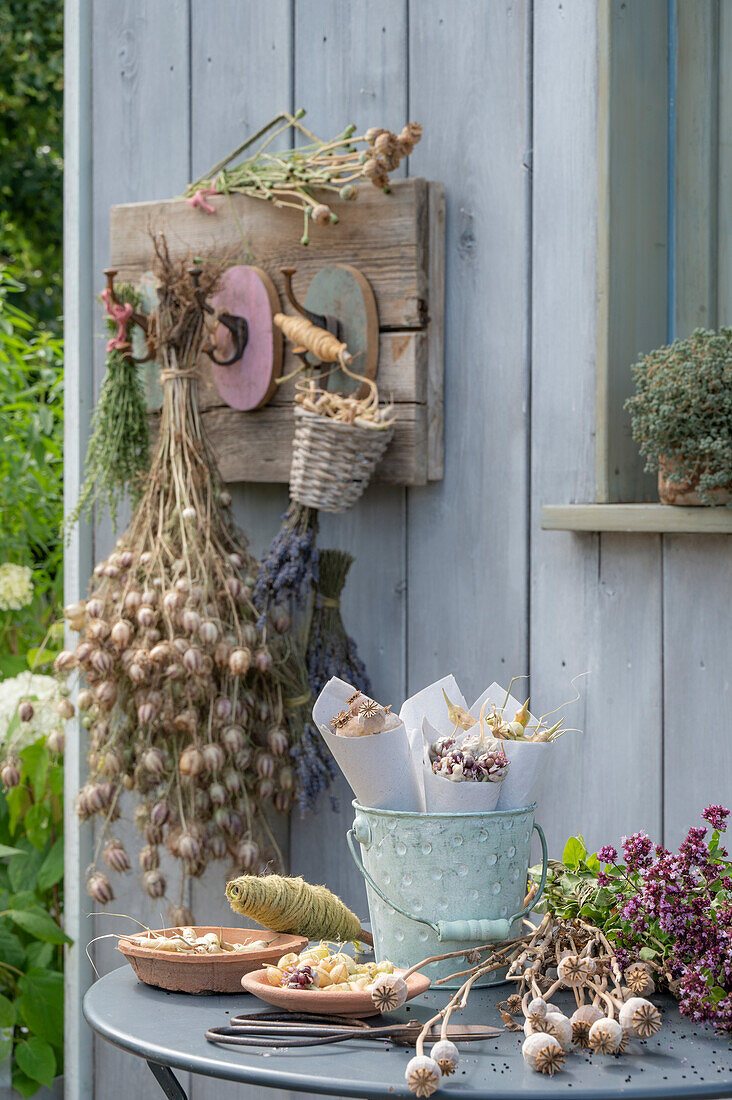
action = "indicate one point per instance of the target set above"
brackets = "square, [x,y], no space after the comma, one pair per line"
[638,978]
[640,1017]
[339,720]
[543,1054]
[422,1075]
[606,1036]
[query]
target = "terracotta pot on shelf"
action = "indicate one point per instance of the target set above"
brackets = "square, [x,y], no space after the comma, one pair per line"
[683,493]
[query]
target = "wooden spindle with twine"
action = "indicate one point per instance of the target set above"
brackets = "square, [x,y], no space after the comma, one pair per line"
[293,905]
[303,333]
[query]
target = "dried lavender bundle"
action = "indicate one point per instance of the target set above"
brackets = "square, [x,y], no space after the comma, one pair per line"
[330,650]
[290,566]
[184,692]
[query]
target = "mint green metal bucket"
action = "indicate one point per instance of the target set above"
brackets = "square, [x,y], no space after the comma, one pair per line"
[442,882]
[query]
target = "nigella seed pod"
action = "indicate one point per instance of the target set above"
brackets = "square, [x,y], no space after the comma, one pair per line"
[172,602]
[174,671]
[111,571]
[214,756]
[160,653]
[25,711]
[153,835]
[112,763]
[87,721]
[193,660]
[83,652]
[222,817]
[223,708]
[281,621]
[187,721]
[145,616]
[191,761]
[126,559]
[188,846]
[243,758]
[160,813]
[202,801]
[85,699]
[265,764]
[99,887]
[286,778]
[264,712]
[153,761]
[247,853]
[249,635]
[278,741]
[56,742]
[283,801]
[240,661]
[189,514]
[65,661]
[154,883]
[221,654]
[182,585]
[233,739]
[218,794]
[106,693]
[225,500]
[190,621]
[208,632]
[98,630]
[232,781]
[265,788]
[64,708]
[101,662]
[132,600]
[236,561]
[148,596]
[105,791]
[146,558]
[233,587]
[217,846]
[75,610]
[121,634]
[95,608]
[207,665]
[10,774]
[236,825]
[116,857]
[180,916]
[145,713]
[137,673]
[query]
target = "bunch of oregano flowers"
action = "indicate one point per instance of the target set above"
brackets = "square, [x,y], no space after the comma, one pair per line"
[673,910]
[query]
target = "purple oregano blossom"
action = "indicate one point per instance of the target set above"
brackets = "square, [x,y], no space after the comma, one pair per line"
[678,906]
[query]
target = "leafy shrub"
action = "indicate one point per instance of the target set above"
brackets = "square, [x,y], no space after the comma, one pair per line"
[31,905]
[31,472]
[682,410]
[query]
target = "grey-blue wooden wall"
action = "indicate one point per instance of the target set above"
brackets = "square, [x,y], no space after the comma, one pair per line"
[456,576]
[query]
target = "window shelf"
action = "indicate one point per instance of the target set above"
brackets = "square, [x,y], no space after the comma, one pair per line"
[649,518]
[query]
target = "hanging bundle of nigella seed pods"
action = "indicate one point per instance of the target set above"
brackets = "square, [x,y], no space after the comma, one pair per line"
[183,692]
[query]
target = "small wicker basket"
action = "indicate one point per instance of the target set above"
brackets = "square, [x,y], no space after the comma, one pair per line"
[332,462]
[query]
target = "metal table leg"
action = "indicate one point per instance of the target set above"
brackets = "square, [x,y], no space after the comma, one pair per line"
[167,1080]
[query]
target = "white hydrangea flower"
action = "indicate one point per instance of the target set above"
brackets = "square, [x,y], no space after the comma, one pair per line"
[16,586]
[43,691]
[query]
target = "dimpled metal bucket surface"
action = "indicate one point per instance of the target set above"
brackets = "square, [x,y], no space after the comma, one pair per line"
[443,882]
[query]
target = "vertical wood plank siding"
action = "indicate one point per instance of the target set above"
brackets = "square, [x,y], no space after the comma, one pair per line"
[458,575]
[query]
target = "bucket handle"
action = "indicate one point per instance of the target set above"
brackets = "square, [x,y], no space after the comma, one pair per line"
[487,931]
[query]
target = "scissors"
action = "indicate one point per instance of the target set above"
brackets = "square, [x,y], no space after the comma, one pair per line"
[293,1029]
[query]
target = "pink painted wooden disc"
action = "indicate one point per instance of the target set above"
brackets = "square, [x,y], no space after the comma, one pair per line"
[250,381]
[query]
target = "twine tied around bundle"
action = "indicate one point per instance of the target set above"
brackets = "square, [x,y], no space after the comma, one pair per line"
[293,905]
[167,373]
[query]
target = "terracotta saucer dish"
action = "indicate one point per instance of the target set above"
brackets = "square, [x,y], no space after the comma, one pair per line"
[220,973]
[341,1002]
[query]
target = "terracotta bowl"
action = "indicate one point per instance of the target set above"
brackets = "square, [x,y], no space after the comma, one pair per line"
[208,973]
[339,1003]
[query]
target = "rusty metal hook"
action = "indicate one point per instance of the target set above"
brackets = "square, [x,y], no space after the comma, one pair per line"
[237,326]
[140,319]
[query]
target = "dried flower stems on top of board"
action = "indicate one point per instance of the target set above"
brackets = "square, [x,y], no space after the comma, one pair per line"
[184,688]
[291,178]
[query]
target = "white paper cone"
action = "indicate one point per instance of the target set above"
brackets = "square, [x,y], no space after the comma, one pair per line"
[430,702]
[527,761]
[442,796]
[379,767]
[496,694]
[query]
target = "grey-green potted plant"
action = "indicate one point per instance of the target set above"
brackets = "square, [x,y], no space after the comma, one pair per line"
[681,416]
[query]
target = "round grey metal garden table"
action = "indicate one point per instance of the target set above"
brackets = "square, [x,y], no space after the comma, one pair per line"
[167,1029]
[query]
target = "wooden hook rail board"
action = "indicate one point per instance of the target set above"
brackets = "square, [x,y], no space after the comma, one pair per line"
[395,240]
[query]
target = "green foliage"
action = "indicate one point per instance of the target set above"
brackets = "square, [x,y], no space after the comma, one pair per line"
[31,471]
[682,409]
[31,904]
[31,147]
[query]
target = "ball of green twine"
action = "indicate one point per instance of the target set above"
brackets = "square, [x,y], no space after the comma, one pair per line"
[293,905]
